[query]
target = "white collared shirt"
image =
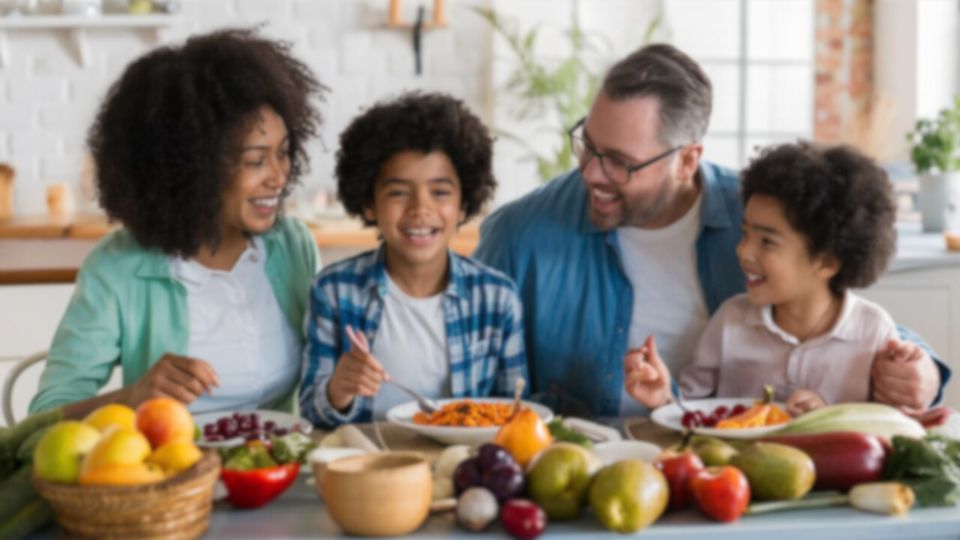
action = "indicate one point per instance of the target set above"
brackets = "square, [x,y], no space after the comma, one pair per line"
[743,349]
[237,326]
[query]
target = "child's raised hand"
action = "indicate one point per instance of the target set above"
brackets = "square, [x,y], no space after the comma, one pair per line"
[646,379]
[802,401]
[358,373]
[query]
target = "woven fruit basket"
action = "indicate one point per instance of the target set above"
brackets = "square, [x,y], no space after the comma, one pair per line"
[178,507]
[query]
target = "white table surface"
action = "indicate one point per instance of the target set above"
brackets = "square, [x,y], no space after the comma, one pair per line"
[299,513]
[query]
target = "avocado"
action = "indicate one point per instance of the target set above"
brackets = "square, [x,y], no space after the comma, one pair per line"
[776,472]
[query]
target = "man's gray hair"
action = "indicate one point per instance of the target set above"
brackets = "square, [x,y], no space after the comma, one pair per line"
[676,80]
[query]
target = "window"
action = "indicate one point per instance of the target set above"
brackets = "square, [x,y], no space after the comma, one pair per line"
[759,54]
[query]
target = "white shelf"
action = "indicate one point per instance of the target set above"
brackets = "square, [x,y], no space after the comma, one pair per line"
[25,22]
[76,27]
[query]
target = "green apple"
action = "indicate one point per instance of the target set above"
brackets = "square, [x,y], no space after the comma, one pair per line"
[60,451]
[559,479]
[628,495]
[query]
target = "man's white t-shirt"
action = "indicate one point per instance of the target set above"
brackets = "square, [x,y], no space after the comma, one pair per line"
[668,303]
[411,345]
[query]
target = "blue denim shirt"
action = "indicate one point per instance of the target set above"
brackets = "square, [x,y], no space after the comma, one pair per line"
[577,299]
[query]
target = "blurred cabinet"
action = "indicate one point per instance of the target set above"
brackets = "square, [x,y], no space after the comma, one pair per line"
[927,301]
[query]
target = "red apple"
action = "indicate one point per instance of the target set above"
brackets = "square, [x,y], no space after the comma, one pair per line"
[721,492]
[523,519]
[679,467]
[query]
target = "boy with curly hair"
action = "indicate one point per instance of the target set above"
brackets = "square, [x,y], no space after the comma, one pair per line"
[818,221]
[416,167]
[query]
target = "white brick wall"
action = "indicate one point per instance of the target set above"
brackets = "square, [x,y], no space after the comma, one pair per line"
[48,100]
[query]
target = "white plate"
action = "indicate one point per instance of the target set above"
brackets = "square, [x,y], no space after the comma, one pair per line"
[669,416]
[403,415]
[281,419]
[614,451]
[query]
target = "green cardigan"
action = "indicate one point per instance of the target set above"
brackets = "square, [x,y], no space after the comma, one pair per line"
[128,310]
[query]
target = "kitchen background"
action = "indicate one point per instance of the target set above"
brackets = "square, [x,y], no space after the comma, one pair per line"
[859,71]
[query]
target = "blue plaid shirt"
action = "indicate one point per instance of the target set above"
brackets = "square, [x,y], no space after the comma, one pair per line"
[483,318]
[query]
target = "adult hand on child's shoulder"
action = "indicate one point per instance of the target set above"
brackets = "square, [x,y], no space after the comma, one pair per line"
[904,376]
[803,400]
[179,377]
[646,378]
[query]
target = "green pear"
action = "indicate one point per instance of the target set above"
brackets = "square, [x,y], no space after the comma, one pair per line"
[559,478]
[776,472]
[628,495]
[712,451]
[60,451]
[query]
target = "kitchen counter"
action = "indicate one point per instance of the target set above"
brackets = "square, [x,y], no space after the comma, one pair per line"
[50,249]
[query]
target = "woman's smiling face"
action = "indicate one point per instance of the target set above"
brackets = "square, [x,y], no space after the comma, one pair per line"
[251,203]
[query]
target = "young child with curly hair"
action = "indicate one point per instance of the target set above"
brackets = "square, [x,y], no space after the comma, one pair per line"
[416,167]
[818,221]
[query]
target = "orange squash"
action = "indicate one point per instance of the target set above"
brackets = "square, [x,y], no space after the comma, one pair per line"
[524,435]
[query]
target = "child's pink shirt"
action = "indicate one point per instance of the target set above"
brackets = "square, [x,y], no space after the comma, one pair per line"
[742,349]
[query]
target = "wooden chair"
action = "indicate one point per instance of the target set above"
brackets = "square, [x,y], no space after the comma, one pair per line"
[11,380]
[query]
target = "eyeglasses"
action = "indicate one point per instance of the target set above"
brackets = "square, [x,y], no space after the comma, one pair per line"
[615,169]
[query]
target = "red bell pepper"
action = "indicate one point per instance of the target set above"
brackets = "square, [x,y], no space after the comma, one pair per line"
[256,487]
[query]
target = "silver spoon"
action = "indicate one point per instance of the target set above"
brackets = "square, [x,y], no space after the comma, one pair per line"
[358,340]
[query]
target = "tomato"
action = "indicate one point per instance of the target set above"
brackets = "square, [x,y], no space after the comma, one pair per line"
[679,468]
[722,493]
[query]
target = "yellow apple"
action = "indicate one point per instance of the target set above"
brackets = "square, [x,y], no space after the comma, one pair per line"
[111,415]
[175,456]
[122,474]
[60,450]
[117,446]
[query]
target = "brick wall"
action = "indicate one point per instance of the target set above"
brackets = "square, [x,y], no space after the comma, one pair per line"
[844,101]
[47,99]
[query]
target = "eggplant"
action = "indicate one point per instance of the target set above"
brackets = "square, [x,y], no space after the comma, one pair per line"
[842,459]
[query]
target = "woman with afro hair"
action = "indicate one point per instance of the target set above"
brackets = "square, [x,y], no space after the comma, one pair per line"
[200,296]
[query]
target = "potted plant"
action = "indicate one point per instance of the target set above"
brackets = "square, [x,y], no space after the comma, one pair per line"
[935,152]
[553,93]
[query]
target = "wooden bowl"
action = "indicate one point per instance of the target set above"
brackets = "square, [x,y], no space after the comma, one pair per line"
[384,494]
[319,458]
[178,507]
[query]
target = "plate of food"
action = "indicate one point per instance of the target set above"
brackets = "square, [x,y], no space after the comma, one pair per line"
[718,417]
[224,429]
[471,421]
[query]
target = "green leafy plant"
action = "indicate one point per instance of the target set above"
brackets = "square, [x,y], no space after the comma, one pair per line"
[935,144]
[554,92]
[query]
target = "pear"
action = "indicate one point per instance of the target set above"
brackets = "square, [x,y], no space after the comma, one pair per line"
[712,451]
[776,472]
[559,478]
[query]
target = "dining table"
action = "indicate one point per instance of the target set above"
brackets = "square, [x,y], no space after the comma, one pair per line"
[300,513]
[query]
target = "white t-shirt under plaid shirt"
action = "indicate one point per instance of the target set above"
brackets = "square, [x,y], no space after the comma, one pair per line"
[482,314]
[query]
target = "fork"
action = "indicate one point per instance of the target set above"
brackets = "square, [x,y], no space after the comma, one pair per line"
[678,399]
[358,340]
[426,405]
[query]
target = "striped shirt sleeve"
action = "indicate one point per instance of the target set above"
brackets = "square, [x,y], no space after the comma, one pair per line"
[321,356]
